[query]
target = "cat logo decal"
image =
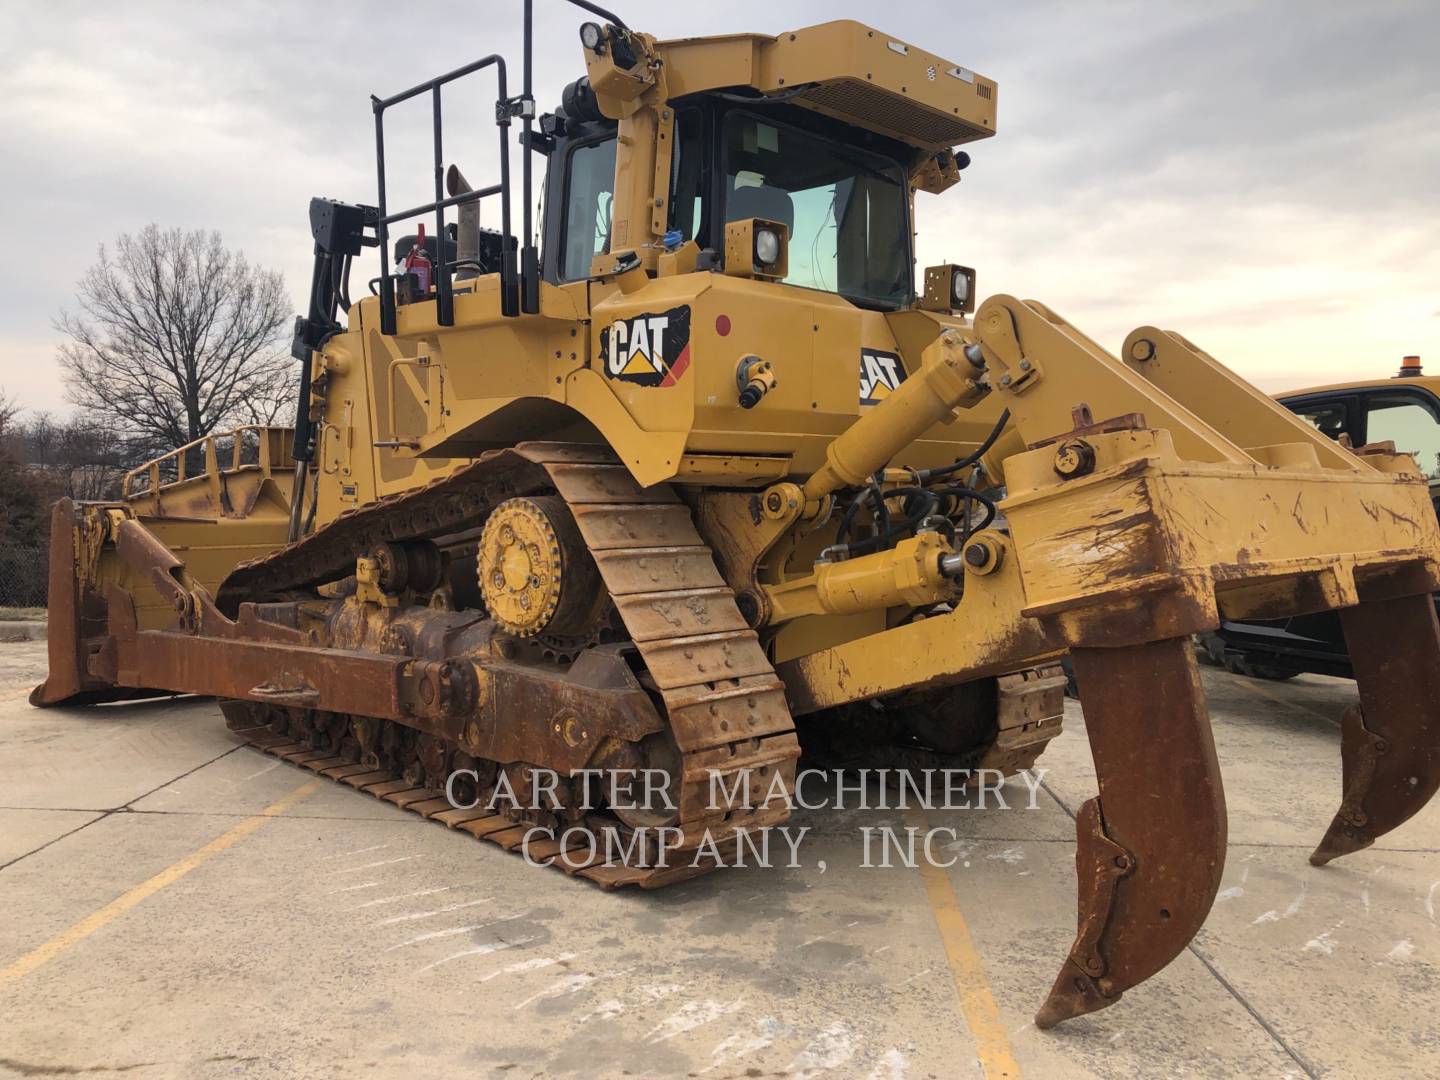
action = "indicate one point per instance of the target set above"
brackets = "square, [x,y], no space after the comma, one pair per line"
[647,350]
[881,374]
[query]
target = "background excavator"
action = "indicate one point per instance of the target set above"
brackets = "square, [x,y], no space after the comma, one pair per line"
[701,463]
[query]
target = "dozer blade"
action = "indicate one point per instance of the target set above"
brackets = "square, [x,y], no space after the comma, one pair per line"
[1390,741]
[65,678]
[1151,848]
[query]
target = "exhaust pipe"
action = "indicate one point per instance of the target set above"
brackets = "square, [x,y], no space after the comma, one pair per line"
[467,247]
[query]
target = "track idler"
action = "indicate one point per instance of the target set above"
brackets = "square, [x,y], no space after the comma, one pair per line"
[1390,740]
[1151,848]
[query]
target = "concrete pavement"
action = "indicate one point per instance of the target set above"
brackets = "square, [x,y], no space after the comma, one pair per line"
[338,936]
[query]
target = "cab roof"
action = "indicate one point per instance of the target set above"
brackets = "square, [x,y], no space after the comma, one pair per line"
[846,70]
[1428,382]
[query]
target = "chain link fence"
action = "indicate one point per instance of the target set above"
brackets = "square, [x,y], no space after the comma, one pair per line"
[23,572]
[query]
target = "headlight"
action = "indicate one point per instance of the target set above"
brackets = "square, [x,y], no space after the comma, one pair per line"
[767,246]
[959,290]
[591,36]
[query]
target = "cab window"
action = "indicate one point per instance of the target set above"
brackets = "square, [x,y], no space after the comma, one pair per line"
[1330,418]
[688,177]
[846,207]
[1410,423]
[589,194]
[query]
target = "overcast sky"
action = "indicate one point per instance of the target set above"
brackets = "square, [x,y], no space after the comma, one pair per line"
[1262,177]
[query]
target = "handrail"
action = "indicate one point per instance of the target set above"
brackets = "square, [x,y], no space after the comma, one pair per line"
[444,297]
[151,469]
[513,299]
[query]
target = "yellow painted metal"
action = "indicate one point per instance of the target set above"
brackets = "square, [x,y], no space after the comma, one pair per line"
[1149,533]
[985,634]
[660,181]
[1426,382]
[221,500]
[947,380]
[731,470]
[1147,493]
[623,91]
[848,70]
[519,567]
[939,291]
[1219,396]
[907,575]
[368,587]
[741,259]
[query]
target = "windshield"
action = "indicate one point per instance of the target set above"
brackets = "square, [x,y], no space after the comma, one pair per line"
[845,207]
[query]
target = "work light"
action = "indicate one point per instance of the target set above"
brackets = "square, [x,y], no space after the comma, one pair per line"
[767,247]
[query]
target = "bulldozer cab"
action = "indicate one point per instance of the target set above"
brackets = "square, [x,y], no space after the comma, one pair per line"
[822,133]
[840,192]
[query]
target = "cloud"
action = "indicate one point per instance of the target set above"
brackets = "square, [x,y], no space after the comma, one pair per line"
[1258,178]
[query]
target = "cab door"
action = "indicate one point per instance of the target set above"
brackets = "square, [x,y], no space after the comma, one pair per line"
[1408,416]
[1334,414]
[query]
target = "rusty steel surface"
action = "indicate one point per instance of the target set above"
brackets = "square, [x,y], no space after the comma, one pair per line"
[1390,740]
[380,685]
[1150,848]
[64,636]
[1118,551]
[567,850]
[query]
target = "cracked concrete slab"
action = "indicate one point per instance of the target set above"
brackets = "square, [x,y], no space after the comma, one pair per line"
[345,936]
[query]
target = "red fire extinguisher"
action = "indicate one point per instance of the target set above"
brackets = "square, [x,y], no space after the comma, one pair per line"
[418,263]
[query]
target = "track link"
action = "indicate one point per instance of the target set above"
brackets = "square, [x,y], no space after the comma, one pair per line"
[725,705]
[547,849]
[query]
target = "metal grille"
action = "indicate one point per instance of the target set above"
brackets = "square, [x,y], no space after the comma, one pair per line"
[868,106]
[23,575]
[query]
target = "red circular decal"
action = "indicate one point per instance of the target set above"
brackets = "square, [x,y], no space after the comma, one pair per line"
[722,325]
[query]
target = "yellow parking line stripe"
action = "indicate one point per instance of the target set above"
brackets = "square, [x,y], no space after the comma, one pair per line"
[1259,689]
[977,1004]
[117,907]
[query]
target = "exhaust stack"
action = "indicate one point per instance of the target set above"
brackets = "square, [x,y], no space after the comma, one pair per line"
[468,233]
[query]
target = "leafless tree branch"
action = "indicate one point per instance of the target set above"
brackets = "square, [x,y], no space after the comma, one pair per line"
[176,336]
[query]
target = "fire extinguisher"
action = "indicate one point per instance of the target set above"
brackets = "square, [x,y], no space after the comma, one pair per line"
[417,263]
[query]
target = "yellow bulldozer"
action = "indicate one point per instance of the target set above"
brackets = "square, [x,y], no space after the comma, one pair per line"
[635,488]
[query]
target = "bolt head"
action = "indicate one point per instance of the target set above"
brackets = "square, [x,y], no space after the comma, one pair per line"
[1074,458]
[977,555]
[1143,350]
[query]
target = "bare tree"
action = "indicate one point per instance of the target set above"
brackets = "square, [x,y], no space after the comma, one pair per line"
[176,336]
[82,457]
[25,493]
[9,410]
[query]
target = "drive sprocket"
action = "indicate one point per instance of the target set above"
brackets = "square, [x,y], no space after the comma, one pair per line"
[536,574]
